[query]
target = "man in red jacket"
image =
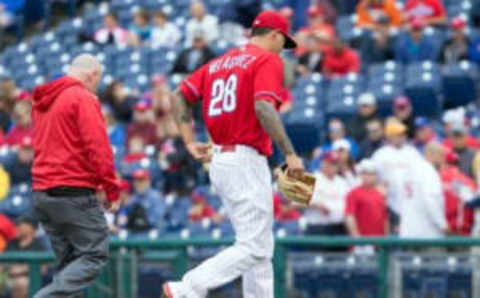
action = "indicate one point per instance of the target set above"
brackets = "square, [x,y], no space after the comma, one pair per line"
[73,159]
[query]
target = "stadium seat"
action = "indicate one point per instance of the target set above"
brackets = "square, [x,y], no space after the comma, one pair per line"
[423,86]
[459,86]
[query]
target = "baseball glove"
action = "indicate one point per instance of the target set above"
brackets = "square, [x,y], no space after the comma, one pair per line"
[296,187]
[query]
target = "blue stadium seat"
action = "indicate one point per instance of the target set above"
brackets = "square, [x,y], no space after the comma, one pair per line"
[459,86]
[423,86]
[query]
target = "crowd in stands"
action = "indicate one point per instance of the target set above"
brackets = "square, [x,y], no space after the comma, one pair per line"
[377,173]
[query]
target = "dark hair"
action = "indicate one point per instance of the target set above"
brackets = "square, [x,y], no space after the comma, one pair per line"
[260,31]
[112,15]
[144,15]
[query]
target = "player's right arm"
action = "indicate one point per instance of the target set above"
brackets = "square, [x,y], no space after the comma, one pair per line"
[183,98]
[268,82]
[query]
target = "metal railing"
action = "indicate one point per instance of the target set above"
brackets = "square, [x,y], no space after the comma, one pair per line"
[174,251]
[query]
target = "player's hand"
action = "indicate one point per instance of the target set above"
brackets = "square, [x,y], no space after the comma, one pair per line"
[111,206]
[294,164]
[200,151]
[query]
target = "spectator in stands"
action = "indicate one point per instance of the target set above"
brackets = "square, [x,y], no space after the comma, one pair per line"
[164,33]
[23,123]
[26,240]
[203,22]
[116,131]
[8,10]
[5,105]
[370,13]
[311,60]
[336,131]
[424,133]
[374,139]
[458,136]
[340,60]
[202,210]
[121,102]
[403,111]
[367,111]
[378,46]
[136,150]
[8,232]
[422,212]
[366,207]
[458,189]
[394,162]
[284,210]
[346,163]
[111,32]
[318,28]
[451,119]
[456,48]
[143,124]
[161,98]
[415,46]
[192,58]
[326,213]
[146,208]
[19,168]
[178,168]
[140,32]
[431,12]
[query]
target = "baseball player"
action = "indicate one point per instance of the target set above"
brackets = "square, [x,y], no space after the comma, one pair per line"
[240,93]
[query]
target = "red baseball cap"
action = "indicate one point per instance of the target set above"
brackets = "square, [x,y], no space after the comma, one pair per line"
[274,20]
[458,23]
[331,157]
[417,23]
[26,142]
[315,10]
[141,174]
[142,106]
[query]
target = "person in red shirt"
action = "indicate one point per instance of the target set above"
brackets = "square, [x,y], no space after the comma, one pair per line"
[72,159]
[202,210]
[431,12]
[143,124]
[340,60]
[366,208]
[284,210]
[318,29]
[458,189]
[240,94]
[23,125]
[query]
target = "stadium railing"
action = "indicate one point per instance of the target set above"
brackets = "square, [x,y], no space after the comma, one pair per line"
[118,279]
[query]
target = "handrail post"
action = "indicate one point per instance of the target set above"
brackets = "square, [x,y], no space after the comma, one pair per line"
[383,261]
[280,270]
[35,277]
[181,262]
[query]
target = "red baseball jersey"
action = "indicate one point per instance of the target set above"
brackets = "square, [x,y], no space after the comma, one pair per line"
[229,86]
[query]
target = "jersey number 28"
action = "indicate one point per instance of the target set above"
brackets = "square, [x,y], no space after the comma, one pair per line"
[224,96]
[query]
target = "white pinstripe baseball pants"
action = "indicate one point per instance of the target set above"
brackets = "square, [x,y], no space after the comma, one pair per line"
[243,180]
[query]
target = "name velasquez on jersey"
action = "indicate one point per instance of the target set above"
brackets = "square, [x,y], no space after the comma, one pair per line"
[230,62]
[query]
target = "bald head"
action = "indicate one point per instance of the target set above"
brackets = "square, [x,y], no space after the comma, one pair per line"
[197,9]
[87,69]
[435,153]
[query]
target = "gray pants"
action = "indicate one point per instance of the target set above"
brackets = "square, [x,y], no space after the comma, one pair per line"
[79,236]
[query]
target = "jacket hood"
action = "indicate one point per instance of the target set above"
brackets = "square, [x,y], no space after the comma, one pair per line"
[45,95]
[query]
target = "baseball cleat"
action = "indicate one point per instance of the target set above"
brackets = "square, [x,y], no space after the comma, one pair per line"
[166,292]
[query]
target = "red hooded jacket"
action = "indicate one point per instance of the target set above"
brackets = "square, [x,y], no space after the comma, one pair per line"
[70,139]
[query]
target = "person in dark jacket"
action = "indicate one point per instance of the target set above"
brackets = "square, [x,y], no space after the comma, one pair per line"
[72,160]
[373,141]
[456,48]
[403,111]
[121,102]
[192,58]
[20,167]
[367,111]
[466,156]
[377,46]
[416,46]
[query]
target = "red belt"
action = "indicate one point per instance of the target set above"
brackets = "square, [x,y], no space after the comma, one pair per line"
[227,148]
